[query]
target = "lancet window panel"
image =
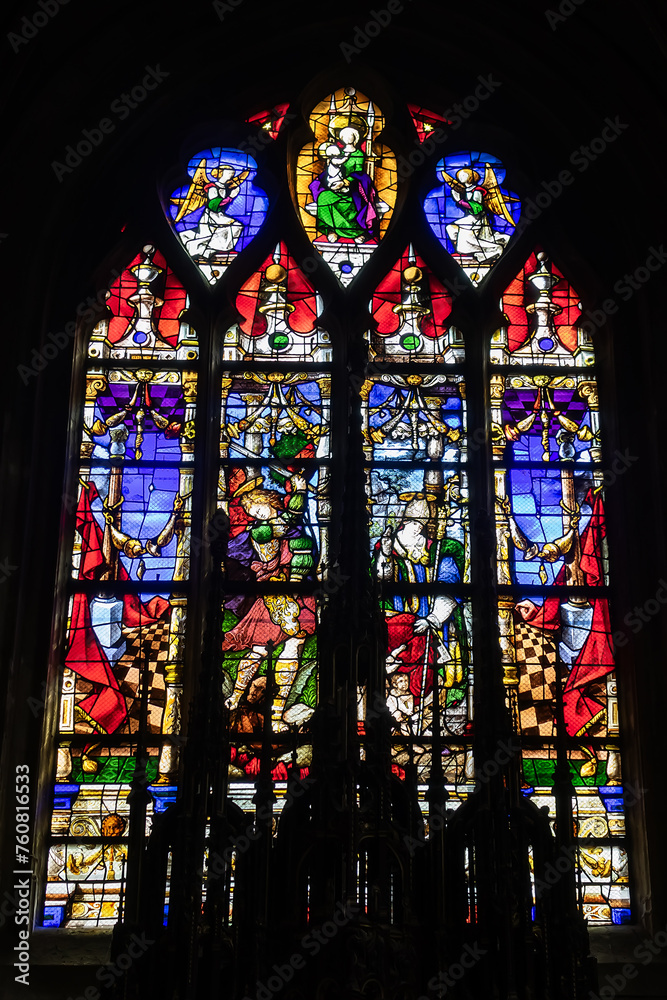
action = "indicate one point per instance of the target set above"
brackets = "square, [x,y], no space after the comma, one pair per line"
[554,574]
[414,441]
[274,489]
[122,677]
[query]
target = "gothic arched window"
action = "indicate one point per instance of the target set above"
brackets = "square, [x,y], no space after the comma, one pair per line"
[330,462]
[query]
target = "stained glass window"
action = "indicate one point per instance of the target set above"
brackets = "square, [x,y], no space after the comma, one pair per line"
[472,213]
[553,573]
[275,455]
[426,122]
[269,457]
[414,433]
[122,681]
[219,210]
[270,121]
[346,182]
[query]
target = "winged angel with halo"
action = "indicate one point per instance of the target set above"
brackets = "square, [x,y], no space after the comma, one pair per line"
[473,234]
[217,233]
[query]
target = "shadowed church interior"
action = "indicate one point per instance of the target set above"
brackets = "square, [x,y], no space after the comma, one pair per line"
[333,564]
